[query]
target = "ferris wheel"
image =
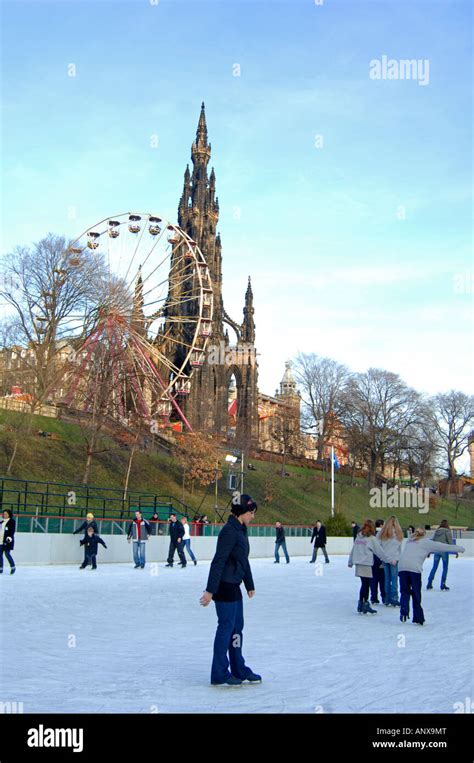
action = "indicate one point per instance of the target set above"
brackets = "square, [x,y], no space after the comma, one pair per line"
[143,323]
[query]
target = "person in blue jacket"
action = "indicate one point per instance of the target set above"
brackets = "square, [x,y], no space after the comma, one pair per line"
[229,568]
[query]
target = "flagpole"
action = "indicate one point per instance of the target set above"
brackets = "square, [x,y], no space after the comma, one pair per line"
[332,480]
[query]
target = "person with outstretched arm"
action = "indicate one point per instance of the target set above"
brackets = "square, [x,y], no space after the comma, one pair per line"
[229,568]
[417,548]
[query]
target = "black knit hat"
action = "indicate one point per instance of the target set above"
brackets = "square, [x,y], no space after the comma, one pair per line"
[246,504]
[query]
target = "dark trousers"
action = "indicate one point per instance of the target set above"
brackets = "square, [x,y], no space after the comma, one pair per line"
[315,553]
[364,589]
[377,581]
[89,559]
[228,641]
[410,586]
[175,546]
[5,550]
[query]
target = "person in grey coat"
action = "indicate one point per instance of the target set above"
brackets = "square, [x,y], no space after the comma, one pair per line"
[139,531]
[365,547]
[417,548]
[442,535]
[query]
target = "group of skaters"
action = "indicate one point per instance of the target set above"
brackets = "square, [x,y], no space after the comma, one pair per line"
[138,533]
[382,564]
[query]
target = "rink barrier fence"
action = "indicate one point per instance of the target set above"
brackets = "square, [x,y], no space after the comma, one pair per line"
[36,523]
[112,526]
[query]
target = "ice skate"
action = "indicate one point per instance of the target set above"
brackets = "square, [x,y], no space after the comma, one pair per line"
[231,681]
[367,609]
[252,678]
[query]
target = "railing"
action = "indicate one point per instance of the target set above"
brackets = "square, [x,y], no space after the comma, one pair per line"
[59,498]
[37,523]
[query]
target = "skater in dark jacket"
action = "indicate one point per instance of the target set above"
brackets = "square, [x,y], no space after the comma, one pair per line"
[7,539]
[319,537]
[355,529]
[229,568]
[378,573]
[89,522]
[91,543]
[280,542]
[176,542]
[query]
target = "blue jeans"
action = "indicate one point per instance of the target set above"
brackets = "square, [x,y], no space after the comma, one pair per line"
[281,544]
[436,560]
[139,552]
[5,550]
[391,583]
[187,547]
[410,586]
[229,638]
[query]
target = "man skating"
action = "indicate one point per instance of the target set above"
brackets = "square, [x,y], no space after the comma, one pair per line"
[319,537]
[280,542]
[139,531]
[176,541]
[229,568]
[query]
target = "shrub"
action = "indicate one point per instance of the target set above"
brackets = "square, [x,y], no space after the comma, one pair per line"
[338,525]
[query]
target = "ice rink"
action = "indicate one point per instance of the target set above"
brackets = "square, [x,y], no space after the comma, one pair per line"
[122,640]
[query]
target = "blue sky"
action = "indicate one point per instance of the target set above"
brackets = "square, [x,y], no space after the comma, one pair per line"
[359,249]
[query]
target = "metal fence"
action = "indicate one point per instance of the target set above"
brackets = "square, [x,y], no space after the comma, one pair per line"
[60,499]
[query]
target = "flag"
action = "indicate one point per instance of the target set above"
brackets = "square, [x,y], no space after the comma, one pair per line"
[336,462]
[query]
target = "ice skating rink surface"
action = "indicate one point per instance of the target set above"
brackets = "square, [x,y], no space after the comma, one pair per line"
[120,640]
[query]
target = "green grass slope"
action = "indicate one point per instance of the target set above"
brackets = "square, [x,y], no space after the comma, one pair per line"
[300,498]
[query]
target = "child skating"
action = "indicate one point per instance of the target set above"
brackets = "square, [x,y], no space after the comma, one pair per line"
[410,566]
[90,543]
[365,547]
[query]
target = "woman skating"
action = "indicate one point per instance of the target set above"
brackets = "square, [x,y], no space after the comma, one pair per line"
[410,566]
[7,539]
[229,568]
[391,537]
[365,547]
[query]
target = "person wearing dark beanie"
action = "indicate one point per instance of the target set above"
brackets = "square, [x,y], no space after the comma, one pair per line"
[229,568]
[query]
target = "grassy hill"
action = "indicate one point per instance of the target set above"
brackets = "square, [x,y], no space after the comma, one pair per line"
[300,498]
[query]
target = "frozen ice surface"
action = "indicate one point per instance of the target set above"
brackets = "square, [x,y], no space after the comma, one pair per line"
[144,644]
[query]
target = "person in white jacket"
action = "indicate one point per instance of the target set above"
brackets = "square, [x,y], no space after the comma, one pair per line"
[391,537]
[362,555]
[410,566]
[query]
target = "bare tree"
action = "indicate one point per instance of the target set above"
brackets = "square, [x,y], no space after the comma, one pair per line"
[451,417]
[322,382]
[378,409]
[47,300]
